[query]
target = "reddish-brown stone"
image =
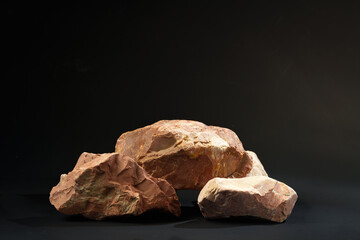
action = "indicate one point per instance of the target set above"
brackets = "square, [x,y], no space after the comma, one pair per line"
[257,196]
[185,153]
[111,184]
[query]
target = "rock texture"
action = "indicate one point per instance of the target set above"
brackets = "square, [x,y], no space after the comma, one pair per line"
[257,196]
[186,153]
[111,184]
[257,168]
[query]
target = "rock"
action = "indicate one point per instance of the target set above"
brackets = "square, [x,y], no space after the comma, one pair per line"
[185,153]
[258,196]
[257,168]
[111,184]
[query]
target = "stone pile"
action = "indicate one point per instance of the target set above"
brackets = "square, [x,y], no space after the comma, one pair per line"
[150,163]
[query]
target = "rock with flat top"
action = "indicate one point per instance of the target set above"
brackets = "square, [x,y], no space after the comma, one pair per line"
[111,184]
[257,196]
[185,153]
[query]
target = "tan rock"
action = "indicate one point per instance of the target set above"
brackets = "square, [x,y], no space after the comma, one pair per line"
[111,184]
[257,196]
[257,168]
[185,153]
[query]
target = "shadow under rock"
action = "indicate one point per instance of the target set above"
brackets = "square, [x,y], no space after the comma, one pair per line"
[149,218]
[191,217]
[223,223]
[36,210]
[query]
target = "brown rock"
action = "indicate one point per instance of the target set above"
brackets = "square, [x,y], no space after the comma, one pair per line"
[185,153]
[257,196]
[111,184]
[257,168]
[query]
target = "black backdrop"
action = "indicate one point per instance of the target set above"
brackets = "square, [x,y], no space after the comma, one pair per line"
[283,75]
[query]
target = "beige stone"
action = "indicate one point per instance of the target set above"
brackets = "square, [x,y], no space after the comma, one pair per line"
[257,168]
[257,196]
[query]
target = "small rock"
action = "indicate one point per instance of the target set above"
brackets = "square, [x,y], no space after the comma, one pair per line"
[258,196]
[257,168]
[110,184]
[185,153]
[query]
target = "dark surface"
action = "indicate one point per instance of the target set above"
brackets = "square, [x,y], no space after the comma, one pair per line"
[284,75]
[324,210]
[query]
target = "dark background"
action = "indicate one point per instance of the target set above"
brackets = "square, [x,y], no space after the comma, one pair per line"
[283,75]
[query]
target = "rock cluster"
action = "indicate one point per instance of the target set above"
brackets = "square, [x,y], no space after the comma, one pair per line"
[149,163]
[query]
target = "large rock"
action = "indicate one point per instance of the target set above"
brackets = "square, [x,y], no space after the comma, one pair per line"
[185,153]
[111,184]
[257,196]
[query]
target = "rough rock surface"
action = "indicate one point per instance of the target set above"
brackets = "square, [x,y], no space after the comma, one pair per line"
[111,184]
[257,196]
[185,153]
[257,168]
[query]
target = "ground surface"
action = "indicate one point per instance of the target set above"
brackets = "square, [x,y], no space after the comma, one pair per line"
[323,211]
